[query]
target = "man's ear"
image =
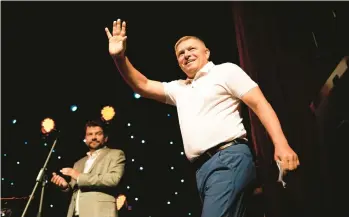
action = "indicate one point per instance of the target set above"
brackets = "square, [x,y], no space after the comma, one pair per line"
[106,139]
[207,53]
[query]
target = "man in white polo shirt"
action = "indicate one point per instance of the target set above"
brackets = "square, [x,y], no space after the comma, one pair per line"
[208,103]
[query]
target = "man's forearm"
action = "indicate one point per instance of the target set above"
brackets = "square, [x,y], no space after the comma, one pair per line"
[270,121]
[99,180]
[136,80]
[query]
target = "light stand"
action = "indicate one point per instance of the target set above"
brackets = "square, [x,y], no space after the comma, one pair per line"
[41,178]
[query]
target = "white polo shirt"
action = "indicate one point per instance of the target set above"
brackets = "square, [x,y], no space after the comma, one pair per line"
[208,106]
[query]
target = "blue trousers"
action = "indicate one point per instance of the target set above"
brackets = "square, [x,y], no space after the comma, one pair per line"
[224,182]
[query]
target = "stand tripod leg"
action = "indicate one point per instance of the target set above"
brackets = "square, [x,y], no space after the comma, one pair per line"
[40,179]
[42,196]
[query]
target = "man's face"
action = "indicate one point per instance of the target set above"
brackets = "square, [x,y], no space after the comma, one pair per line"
[95,138]
[192,55]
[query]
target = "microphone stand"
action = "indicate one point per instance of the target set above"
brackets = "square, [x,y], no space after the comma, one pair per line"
[43,183]
[41,178]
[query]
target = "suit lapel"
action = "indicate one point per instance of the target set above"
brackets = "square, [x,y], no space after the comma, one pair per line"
[81,166]
[101,155]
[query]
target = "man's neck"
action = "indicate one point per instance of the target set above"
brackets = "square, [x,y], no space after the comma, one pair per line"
[94,150]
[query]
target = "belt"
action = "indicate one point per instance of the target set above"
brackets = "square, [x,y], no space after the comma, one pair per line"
[198,162]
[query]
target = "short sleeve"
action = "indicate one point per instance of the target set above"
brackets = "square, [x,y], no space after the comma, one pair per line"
[237,81]
[171,91]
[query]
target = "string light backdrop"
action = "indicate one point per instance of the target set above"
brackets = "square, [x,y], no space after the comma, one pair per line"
[56,64]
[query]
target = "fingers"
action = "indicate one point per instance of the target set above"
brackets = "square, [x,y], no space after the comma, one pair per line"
[291,163]
[116,27]
[54,177]
[119,28]
[123,29]
[288,162]
[62,182]
[295,161]
[108,33]
[66,171]
[58,180]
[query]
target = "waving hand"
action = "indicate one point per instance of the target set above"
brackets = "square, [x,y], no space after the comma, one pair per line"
[117,40]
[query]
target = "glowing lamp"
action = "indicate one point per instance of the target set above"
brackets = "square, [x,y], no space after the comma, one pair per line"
[108,113]
[120,201]
[47,125]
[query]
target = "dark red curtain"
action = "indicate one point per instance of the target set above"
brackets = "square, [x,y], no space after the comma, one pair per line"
[277,49]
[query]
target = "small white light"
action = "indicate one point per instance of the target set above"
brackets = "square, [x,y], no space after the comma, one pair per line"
[51,205]
[176,193]
[140,168]
[17,162]
[136,199]
[45,144]
[129,124]
[128,187]
[143,141]
[73,108]
[171,142]
[59,157]
[182,180]
[14,121]
[84,140]
[133,160]
[172,168]
[137,96]
[168,202]
[168,115]
[182,152]
[132,137]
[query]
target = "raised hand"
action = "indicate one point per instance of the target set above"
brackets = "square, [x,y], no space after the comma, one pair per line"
[117,40]
[59,181]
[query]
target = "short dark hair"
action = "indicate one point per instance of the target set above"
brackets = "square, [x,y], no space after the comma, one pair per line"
[96,123]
